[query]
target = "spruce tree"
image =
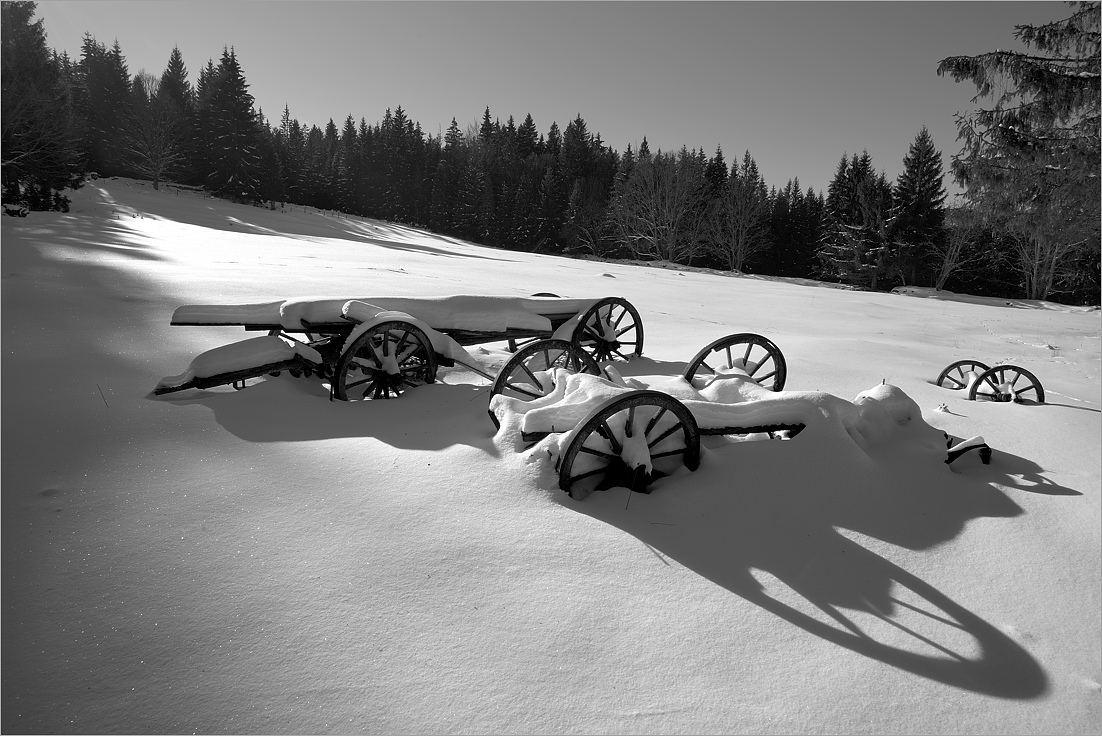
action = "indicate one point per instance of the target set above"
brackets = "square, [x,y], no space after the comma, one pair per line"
[1030,161]
[105,105]
[526,137]
[39,135]
[855,248]
[919,208]
[233,133]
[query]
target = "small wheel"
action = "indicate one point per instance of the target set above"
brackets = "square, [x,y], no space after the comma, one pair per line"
[610,329]
[629,441]
[955,376]
[756,355]
[527,375]
[384,361]
[1007,383]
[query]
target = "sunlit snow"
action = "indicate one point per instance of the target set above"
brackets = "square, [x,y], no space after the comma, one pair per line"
[270,561]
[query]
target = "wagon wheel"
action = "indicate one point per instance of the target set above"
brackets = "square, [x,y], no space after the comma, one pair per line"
[521,378]
[383,362]
[1007,383]
[629,441]
[955,375]
[756,355]
[609,329]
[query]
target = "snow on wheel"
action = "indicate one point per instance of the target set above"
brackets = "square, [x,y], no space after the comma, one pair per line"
[384,361]
[610,329]
[757,356]
[961,374]
[529,373]
[629,441]
[1007,383]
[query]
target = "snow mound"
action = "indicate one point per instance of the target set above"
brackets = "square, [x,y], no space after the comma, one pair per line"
[880,422]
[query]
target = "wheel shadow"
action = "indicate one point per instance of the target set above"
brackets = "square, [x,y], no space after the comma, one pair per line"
[1012,472]
[764,534]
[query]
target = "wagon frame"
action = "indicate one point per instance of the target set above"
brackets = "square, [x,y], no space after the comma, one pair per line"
[393,354]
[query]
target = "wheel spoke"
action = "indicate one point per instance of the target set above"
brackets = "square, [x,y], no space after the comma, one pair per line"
[535,381]
[354,384]
[730,358]
[664,435]
[524,391]
[606,431]
[623,313]
[593,335]
[668,453]
[597,453]
[654,420]
[588,474]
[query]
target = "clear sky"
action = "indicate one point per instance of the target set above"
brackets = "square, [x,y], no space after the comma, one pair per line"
[798,84]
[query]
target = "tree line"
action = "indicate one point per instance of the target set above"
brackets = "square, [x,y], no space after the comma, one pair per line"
[510,185]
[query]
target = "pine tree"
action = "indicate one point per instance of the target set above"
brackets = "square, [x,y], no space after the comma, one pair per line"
[919,208]
[715,173]
[526,137]
[855,248]
[201,159]
[104,106]
[233,133]
[39,135]
[553,146]
[486,129]
[174,83]
[1030,162]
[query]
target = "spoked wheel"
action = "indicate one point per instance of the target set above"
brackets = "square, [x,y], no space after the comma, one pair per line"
[386,360]
[528,374]
[610,329]
[956,375]
[630,441]
[1007,383]
[754,354]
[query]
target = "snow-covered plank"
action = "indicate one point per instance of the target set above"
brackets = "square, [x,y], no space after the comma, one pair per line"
[257,355]
[462,312]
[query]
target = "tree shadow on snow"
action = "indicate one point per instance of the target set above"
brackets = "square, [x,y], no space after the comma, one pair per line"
[748,520]
[203,210]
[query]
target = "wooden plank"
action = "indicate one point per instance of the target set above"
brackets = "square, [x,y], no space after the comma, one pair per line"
[224,379]
[793,429]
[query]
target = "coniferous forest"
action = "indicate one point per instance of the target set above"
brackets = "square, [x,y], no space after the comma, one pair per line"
[1027,226]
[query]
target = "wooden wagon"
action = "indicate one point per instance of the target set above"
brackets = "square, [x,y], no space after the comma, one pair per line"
[626,434]
[377,347]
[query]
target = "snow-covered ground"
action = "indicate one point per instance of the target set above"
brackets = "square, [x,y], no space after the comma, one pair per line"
[269,561]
